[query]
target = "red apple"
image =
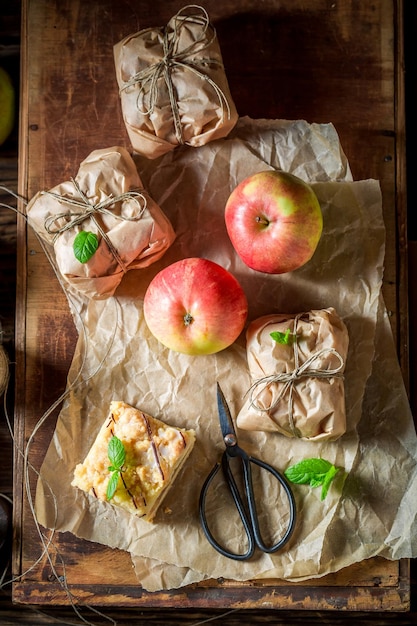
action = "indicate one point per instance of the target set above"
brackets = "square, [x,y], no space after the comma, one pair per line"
[195,306]
[274,221]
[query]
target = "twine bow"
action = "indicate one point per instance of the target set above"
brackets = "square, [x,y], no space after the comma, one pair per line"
[174,58]
[290,379]
[88,210]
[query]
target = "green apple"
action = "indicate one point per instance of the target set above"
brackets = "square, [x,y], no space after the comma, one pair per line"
[7,97]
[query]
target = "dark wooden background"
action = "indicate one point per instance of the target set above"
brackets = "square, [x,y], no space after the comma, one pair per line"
[9,614]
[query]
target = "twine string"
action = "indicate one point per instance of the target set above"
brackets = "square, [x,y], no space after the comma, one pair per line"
[47,543]
[174,58]
[89,210]
[289,380]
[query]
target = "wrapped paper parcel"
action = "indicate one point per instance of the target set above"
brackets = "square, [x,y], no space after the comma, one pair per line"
[173,85]
[297,385]
[106,200]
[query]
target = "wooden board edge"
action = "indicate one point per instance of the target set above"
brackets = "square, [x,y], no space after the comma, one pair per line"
[294,598]
[401,193]
[20,318]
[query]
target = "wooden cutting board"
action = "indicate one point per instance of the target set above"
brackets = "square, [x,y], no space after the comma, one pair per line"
[322,61]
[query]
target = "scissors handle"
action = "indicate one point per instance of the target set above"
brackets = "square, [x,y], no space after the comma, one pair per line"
[252,506]
[242,513]
[248,513]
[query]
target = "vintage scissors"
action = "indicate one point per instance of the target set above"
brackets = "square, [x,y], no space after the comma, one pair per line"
[245,505]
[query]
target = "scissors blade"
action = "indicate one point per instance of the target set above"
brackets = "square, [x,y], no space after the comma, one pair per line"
[226,423]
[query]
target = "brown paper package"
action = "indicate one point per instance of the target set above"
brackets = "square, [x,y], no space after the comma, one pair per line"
[298,387]
[173,86]
[106,198]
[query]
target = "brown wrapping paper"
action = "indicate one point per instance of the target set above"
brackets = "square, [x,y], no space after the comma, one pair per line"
[345,273]
[106,198]
[297,388]
[173,86]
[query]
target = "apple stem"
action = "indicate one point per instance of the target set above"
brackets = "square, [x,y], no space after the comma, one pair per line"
[261,220]
[188,319]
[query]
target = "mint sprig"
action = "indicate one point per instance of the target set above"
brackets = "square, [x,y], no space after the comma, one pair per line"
[286,338]
[314,472]
[84,246]
[117,456]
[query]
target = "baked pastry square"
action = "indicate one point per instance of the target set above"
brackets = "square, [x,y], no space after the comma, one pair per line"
[151,454]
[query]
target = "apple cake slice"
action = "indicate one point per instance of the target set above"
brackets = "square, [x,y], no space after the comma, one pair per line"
[134,460]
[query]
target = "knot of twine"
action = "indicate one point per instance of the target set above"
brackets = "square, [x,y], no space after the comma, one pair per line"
[89,210]
[290,379]
[174,58]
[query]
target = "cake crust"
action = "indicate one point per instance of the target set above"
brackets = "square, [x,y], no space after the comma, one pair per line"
[154,454]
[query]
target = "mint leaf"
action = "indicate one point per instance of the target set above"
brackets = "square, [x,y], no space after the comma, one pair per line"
[84,246]
[286,338]
[314,472]
[327,480]
[117,456]
[308,469]
[116,453]
[112,485]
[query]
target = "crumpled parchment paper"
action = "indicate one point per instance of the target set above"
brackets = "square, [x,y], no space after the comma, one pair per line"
[369,511]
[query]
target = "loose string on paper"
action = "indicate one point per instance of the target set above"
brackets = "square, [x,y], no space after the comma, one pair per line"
[47,541]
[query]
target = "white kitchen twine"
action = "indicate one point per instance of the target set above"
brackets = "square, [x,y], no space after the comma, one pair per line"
[47,541]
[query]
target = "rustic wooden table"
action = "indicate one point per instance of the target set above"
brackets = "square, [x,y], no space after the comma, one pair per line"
[319,61]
